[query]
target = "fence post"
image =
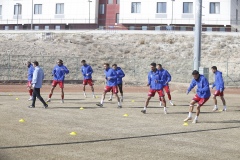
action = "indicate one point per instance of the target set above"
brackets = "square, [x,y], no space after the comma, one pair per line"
[134,67]
[227,72]
[8,66]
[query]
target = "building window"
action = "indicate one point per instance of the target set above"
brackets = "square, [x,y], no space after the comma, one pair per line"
[136,7]
[214,7]
[37,9]
[0,9]
[118,1]
[157,28]
[17,9]
[222,29]
[144,28]
[60,8]
[6,27]
[57,27]
[131,28]
[101,27]
[187,7]
[36,27]
[46,27]
[182,28]
[161,7]
[117,18]
[110,1]
[101,9]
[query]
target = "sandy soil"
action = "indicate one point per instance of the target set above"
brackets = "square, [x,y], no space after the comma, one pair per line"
[105,133]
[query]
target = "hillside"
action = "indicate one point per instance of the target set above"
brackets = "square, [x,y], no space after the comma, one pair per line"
[132,51]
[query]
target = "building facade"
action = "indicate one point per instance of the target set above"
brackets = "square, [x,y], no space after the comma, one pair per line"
[217,15]
[48,14]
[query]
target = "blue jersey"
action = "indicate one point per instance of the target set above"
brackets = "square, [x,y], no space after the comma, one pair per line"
[154,80]
[202,84]
[87,71]
[219,83]
[112,74]
[30,72]
[166,77]
[59,72]
[120,75]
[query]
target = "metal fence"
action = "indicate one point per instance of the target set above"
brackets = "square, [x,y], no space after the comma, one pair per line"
[13,67]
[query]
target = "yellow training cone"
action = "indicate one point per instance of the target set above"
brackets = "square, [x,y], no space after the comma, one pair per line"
[133,101]
[185,124]
[16,98]
[96,96]
[21,120]
[73,133]
[81,108]
[220,110]
[125,115]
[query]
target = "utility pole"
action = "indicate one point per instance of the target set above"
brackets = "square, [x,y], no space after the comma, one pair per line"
[197,35]
[17,13]
[89,1]
[172,12]
[32,17]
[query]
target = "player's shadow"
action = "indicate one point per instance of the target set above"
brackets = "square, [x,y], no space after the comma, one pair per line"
[55,100]
[182,105]
[142,107]
[193,112]
[228,121]
[120,138]
[73,108]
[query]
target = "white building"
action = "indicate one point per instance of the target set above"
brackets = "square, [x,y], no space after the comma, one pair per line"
[217,15]
[178,13]
[52,14]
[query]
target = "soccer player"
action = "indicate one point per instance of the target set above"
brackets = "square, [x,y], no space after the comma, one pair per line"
[156,85]
[87,77]
[58,73]
[111,84]
[203,94]
[30,75]
[120,75]
[219,84]
[166,77]
[38,76]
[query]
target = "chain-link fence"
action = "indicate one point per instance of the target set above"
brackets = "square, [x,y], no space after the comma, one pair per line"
[13,67]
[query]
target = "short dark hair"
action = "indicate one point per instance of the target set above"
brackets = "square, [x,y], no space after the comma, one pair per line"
[153,64]
[35,63]
[159,65]
[214,67]
[107,64]
[59,60]
[114,65]
[195,72]
[83,61]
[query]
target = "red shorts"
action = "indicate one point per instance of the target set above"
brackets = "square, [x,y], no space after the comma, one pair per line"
[61,83]
[29,83]
[200,101]
[152,92]
[166,88]
[114,89]
[88,81]
[218,93]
